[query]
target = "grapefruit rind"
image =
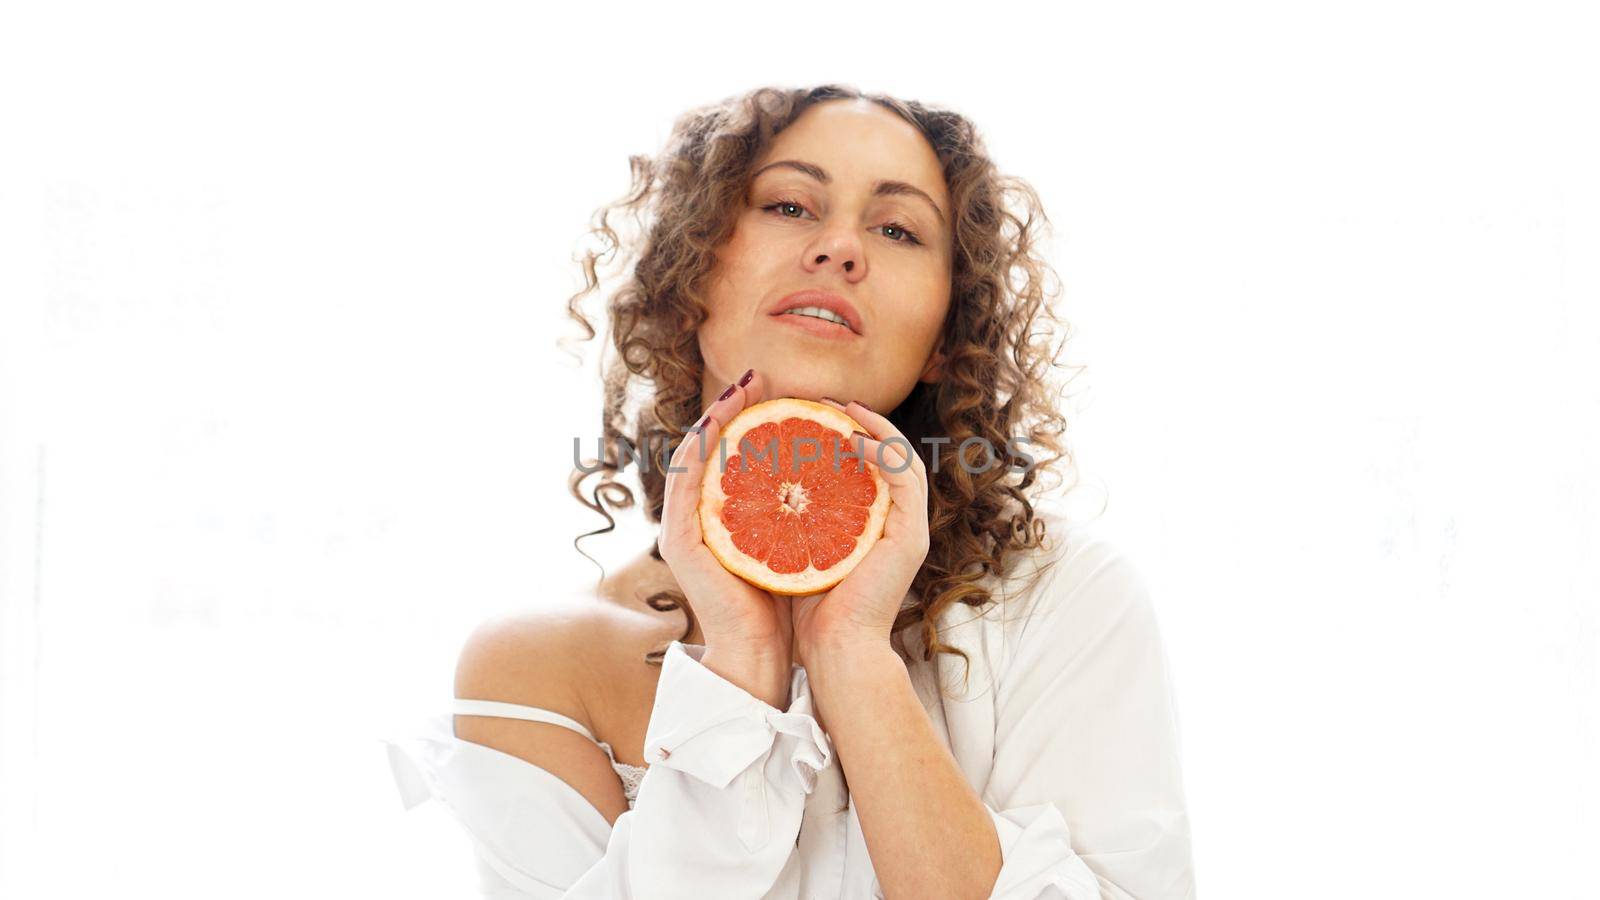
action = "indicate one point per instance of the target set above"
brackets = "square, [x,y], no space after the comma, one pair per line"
[713,497]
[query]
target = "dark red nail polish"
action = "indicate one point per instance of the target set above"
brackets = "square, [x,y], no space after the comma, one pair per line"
[727,393]
[745,378]
[704,421]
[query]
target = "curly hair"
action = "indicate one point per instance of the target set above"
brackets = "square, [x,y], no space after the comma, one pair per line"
[996,339]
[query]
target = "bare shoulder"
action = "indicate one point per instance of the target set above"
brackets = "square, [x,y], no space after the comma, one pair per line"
[536,652]
[551,658]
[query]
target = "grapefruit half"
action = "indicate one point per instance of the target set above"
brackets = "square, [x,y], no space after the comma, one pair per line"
[792,511]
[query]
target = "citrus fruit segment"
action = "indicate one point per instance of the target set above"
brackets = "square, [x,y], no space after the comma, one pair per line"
[792,510]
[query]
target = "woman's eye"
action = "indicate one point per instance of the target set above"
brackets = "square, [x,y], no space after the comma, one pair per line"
[908,236]
[781,204]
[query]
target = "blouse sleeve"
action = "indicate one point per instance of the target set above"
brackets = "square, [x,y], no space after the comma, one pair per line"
[717,814]
[1086,789]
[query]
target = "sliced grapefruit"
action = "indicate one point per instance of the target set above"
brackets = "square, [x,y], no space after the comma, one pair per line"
[792,511]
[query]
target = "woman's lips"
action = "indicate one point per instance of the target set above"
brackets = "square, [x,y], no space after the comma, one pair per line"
[819,327]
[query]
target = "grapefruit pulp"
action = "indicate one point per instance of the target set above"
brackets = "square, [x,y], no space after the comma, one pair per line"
[792,511]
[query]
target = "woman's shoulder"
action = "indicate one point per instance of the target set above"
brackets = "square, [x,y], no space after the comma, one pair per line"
[1092,613]
[1076,582]
[549,648]
[561,656]
[1082,577]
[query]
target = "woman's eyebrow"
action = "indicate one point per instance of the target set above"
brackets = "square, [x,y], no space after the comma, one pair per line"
[880,188]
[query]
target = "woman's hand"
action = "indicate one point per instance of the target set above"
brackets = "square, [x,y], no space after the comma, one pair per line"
[859,612]
[748,632]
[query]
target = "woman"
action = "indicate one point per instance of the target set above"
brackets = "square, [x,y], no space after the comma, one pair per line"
[981,708]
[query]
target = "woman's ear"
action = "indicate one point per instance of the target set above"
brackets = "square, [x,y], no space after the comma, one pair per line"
[934,369]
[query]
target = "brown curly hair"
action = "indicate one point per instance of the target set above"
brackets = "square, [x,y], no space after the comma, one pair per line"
[996,340]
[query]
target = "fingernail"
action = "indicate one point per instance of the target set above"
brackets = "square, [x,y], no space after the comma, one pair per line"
[863,405]
[745,378]
[727,393]
[831,400]
[861,434]
[704,421]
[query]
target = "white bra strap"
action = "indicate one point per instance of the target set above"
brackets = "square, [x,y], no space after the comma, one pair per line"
[515,711]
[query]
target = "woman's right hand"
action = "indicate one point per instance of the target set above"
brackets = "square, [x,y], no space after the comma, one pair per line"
[748,631]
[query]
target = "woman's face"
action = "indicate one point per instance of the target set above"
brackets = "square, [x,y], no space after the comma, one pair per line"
[831,227]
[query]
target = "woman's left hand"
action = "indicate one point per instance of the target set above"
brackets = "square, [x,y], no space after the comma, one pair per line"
[859,612]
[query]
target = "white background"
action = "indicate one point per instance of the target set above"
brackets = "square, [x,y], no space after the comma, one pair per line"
[283,416]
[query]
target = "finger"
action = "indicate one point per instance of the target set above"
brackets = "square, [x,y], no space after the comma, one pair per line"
[784,606]
[754,391]
[722,410]
[909,507]
[680,502]
[730,402]
[890,459]
[680,513]
[740,397]
[880,428]
[688,466]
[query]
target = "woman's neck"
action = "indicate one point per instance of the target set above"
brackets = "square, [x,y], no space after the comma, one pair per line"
[637,579]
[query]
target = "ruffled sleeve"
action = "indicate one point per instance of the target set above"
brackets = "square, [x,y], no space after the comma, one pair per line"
[709,731]
[1086,790]
[531,832]
[717,814]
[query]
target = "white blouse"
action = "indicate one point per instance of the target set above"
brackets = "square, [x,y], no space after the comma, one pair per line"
[1066,726]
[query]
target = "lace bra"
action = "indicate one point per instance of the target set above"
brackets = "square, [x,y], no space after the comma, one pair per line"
[631,775]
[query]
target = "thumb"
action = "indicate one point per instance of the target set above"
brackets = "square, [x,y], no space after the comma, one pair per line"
[783,607]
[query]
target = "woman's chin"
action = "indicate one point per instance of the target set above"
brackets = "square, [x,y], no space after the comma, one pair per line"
[812,385]
[793,370]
